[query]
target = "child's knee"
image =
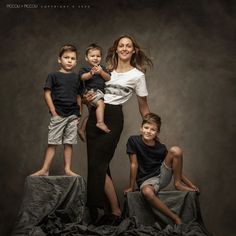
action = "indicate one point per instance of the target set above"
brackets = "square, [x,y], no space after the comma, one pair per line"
[176,151]
[148,192]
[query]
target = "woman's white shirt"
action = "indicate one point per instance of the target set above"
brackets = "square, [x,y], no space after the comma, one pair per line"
[121,87]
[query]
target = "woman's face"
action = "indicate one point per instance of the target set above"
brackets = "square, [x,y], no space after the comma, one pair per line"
[125,49]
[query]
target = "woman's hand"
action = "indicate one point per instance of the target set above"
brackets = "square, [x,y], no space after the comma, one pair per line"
[88,97]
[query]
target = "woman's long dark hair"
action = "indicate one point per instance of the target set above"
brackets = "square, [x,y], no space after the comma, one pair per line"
[139,59]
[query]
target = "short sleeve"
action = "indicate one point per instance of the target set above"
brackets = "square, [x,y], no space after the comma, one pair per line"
[130,146]
[82,71]
[49,82]
[141,87]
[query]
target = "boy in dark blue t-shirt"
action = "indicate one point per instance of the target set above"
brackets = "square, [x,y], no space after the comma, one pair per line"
[62,96]
[152,165]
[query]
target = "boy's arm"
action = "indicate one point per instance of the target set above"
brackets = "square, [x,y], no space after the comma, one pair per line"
[133,173]
[106,76]
[49,102]
[87,75]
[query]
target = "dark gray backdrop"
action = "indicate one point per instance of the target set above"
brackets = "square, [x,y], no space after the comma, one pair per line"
[192,86]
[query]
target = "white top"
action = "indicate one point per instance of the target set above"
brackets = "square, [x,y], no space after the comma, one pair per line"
[121,87]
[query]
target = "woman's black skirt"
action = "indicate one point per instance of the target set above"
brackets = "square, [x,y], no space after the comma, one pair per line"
[100,150]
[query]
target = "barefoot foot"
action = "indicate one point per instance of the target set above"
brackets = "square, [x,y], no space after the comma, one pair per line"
[182,187]
[195,189]
[71,173]
[102,126]
[40,173]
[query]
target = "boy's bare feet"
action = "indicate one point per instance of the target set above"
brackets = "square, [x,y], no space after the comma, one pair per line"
[70,173]
[82,135]
[102,126]
[40,173]
[195,189]
[182,187]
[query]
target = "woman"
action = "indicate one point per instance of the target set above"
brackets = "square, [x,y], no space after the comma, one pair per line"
[127,63]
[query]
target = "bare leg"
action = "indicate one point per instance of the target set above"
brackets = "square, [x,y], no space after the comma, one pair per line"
[48,157]
[81,131]
[67,160]
[112,197]
[174,159]
[149,194]
[100,116]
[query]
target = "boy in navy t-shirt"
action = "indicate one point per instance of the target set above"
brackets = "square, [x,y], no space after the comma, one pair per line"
[152,165]
[62,96]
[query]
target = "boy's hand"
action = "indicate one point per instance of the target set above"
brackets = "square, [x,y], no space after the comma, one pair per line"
[97,69]
[54,113]
[128,190]
[93,70]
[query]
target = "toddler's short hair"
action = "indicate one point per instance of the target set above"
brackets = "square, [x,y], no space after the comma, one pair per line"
[67,48]
[93,46]
[152,118]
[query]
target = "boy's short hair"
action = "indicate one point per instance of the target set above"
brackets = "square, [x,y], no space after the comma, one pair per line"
[152,118]
[93,46]
[68,48]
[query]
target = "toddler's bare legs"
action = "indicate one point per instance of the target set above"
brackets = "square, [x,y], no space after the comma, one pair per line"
[82,129]
[100,116]
[174,159]
[48,157]
[149,194]
[68,149]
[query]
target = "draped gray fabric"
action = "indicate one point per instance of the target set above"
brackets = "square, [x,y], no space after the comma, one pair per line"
[56,205]
[47,199]
[185,204]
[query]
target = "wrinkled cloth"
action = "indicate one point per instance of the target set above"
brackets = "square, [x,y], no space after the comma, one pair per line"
[47,198]
[184,204]
[56,206]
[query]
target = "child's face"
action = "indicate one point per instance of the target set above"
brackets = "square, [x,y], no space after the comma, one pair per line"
[125,49]
[149,131]
[67,61]
[94,57]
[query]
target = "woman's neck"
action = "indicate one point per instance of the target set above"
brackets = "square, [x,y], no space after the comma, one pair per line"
[124,66]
